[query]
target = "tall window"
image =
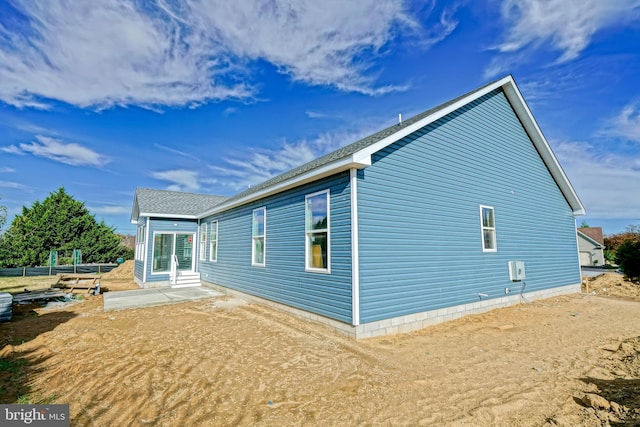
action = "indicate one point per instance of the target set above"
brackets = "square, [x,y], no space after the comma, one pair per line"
[140,243]
[488,229]
[317,231]
[213,242]
[203,242]
[258,236]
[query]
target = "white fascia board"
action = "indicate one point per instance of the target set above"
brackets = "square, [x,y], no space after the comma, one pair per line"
[383,143]
[544,149]
[313,175]
[167,215]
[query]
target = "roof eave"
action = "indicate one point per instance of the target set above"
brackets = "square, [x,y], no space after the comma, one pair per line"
[167,215]
[544,149]
[350,162]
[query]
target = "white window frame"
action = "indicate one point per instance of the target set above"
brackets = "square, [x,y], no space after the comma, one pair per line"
[213,252]
[308,233]
[255,237]
[140,238]
[492,229]
[202,246]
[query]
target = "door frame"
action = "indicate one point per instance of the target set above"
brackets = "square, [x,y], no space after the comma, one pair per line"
[173,249]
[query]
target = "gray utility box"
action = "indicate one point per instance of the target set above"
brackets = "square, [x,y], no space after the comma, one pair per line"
[6,301]
[516,271]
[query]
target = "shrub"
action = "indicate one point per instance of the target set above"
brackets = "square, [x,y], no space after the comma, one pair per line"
[628,258]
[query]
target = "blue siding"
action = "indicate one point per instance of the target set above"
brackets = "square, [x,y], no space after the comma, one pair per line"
[419,219]
[167,226]
[284,279]
[137,269]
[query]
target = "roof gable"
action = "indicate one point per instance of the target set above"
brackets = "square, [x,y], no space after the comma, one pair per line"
[358,154]
[594,233]
[174,204]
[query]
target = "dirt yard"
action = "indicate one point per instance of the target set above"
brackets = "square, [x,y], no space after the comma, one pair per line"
[567,361]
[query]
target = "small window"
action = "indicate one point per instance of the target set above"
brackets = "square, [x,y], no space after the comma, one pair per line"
[488,229]
[258,236]
[213,242]
[317,231]
[203,242]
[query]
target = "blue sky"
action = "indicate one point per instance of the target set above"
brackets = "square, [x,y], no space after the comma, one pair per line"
[104,96]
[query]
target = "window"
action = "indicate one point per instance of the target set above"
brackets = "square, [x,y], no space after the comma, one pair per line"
[213,242]
[140,243]
[258,235]
[203,242]
[488,229]
[317,231]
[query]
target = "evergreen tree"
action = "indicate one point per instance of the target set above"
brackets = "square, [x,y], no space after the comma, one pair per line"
[58,223]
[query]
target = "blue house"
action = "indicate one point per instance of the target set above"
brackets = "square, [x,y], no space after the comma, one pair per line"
[458,210]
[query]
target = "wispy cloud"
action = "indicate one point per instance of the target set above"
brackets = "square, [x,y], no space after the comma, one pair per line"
[59,151]
[179,179]
[315,115]
[7,170]
[604,181]
[248,169]
[175,151]
[14,186]
[625,125]
[175,53]
[567,26]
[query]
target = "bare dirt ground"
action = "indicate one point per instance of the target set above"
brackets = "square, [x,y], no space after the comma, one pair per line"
[569,361]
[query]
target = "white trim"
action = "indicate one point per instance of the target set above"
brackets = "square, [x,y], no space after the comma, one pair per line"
[355,250]
[211,241]
[482,228]
[145,260]
[264,238]
[169,215]
[327,270]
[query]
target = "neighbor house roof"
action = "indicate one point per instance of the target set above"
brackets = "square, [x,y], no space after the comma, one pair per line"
[171,204]
[358,154]
[595,233]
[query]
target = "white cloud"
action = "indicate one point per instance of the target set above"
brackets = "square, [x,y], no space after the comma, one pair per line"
[626,125]
[7,170]
[315,115]
[14,185]
[244,170]
[606,183]
[567,25]
[59,151]
[179,179]
[173,53]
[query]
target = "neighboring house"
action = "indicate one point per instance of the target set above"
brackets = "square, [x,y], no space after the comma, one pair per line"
[425,221]
[591,246]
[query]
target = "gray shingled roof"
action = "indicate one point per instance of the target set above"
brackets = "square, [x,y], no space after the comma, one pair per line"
[350,149]
[177,203]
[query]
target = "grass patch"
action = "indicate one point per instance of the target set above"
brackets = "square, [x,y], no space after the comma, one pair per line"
[12,375]
[16,285]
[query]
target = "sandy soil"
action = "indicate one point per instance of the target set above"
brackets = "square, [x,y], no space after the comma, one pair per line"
[569,361]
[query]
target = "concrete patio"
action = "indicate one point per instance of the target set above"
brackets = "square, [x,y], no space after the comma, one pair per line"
[155,296]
